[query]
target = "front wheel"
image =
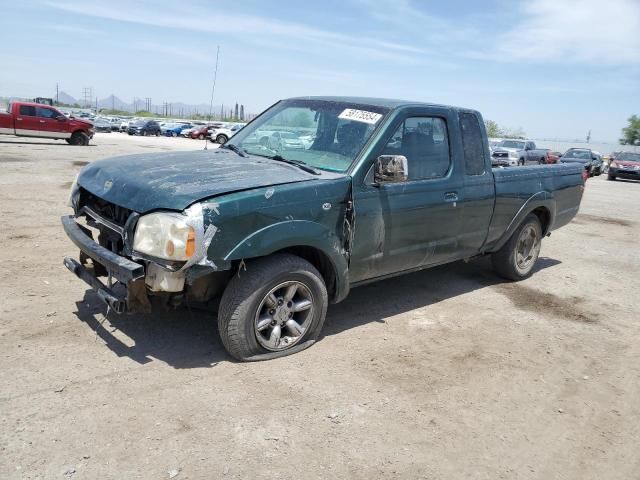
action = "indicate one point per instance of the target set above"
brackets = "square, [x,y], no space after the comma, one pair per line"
[79,138]
[221,139]
[275,308]
[611,177]
[516,259]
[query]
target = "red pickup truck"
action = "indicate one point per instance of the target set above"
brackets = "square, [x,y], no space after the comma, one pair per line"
[26,119]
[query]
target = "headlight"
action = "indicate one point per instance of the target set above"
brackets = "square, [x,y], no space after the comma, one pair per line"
[513,155]
[165,235]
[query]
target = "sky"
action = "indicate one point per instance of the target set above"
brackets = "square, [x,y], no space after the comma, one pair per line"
[555,68]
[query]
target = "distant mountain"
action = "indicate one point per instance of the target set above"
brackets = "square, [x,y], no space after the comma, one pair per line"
[113,102]
[64,97]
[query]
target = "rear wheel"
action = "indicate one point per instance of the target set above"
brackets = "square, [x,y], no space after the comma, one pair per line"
[174,134]
[201,137]
[221,139]
[274,308]
[516,259]
[611,177]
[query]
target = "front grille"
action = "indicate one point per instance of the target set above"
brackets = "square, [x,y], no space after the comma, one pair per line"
[500,154]
[110,211]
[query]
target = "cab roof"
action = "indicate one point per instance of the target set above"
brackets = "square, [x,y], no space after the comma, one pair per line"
[378,102]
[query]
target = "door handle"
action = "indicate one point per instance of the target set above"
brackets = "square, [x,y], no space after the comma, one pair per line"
[19,118]
[42,121]
[451,197]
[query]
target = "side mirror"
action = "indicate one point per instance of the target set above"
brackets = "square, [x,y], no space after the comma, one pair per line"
[527,148]
[61,118]
[391,169]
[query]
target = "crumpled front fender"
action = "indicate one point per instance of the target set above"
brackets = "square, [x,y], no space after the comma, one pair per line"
[297,233]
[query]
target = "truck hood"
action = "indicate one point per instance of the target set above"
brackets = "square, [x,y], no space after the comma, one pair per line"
[173,181]
[505,149]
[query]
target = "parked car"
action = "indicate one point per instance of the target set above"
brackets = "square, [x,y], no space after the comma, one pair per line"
[177,129]
[28,119]
[510,152]
[552,156]
[102,125]
[625,165]
[583,156]
[597,165]
[222,135]
[144,127]
[115,124]
[200,132]
[124,125]
[275,237]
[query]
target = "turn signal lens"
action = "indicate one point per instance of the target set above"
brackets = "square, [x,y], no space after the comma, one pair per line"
[190,249]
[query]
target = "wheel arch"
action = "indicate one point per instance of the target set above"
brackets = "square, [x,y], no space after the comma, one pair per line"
[541,204]
[309,240]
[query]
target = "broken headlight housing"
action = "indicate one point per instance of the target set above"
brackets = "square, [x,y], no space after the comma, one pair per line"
[74,194]
[165,235]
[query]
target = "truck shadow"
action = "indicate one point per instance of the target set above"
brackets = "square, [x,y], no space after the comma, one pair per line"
[60,143]
[186,338]
[378,301]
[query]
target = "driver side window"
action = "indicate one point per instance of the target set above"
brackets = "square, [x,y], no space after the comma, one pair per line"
[425,144]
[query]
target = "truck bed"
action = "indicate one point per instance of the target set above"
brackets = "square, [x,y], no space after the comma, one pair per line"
[562,184]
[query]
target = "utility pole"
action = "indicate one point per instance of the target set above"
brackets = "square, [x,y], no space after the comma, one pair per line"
[213,88]
[87,95]
[57,94]
[148,107]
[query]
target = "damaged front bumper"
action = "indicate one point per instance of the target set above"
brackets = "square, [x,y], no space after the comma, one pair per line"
[125,271]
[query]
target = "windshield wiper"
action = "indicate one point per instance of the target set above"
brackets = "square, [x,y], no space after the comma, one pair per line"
[234,148]
[301,165]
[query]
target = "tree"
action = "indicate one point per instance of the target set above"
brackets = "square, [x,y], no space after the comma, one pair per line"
[631,133]
[493,129]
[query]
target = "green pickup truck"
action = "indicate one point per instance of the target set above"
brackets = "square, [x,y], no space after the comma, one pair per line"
[315,196]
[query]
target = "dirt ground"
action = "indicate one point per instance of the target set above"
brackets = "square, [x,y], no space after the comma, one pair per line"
[445,374]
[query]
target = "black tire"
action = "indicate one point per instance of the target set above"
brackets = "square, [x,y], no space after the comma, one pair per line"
[157,133]
[79,138]
[611,177]
[505,261]
[221,139]
[244,297]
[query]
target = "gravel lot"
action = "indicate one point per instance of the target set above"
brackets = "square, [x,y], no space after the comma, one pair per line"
[445,374]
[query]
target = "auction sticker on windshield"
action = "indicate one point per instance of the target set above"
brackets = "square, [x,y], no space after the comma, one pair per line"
[360,116]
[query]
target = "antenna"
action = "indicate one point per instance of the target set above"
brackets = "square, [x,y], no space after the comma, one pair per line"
[213,89]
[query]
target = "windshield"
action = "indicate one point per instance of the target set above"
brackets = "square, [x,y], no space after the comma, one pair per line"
[579,154]
[323,134]
[629,157]
[512,144]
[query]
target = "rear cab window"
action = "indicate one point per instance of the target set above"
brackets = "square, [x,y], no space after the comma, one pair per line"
[473,144]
